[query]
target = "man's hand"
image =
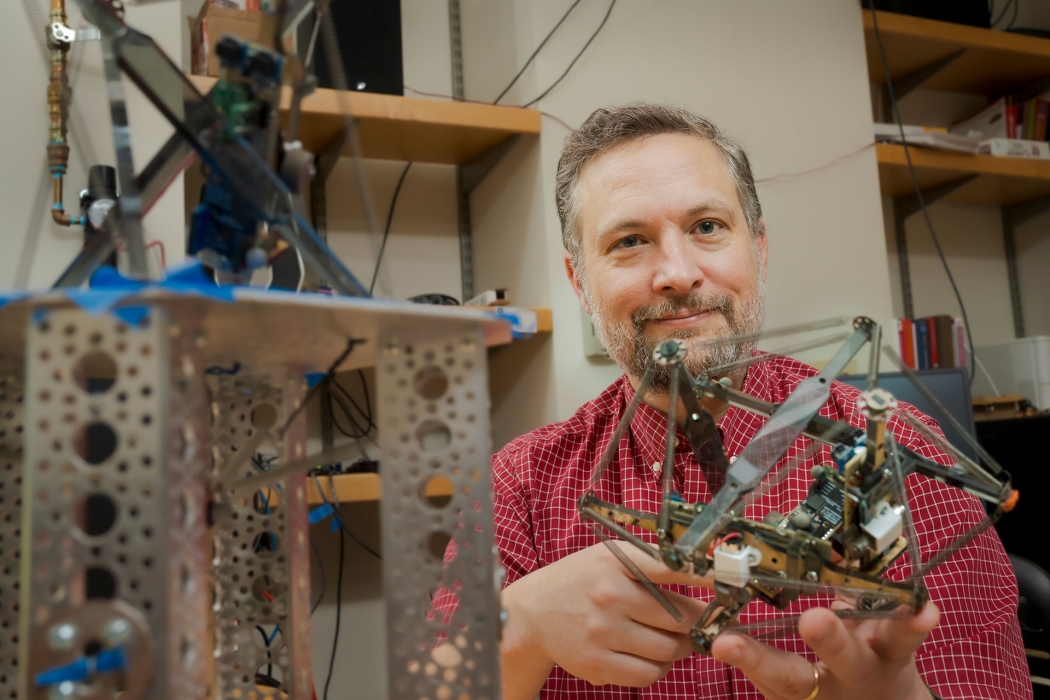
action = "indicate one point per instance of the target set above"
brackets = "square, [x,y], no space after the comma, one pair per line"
[586,614]
[858,658]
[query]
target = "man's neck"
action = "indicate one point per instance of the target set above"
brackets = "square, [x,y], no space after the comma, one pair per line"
[661,401]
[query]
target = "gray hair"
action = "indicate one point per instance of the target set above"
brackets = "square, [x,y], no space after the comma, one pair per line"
[607,128]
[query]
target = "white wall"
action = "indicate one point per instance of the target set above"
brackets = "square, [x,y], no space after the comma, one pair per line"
[24,135]
[765,72]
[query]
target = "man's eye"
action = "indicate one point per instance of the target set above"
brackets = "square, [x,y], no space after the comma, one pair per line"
[707,227]
[629,242]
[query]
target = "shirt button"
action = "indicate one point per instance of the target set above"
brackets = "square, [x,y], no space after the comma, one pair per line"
[732,459]
[656,467]
[676,442]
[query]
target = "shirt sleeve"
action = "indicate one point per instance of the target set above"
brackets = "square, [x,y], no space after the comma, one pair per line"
[510,509]
[976,650]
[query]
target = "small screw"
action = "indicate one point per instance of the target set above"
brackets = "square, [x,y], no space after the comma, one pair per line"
[62,636]
[65,689]
[812,576]
[117,632]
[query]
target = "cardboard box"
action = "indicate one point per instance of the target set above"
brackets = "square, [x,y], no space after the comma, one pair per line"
[215,22]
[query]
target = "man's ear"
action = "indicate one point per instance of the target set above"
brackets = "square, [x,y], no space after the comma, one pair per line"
[575,280]
[763,250]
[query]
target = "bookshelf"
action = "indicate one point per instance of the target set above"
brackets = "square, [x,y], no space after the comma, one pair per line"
[405,128]
[986,62]
[998,182]
[961,59]
[357,488]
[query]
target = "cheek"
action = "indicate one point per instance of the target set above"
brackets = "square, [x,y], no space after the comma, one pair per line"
[619,291]
[732,270]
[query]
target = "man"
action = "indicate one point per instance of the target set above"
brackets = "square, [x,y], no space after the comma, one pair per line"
[664,237]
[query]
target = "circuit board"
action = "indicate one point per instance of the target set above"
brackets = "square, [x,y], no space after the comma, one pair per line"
[820,514]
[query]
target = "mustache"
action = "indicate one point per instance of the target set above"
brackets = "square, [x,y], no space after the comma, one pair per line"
[694,302]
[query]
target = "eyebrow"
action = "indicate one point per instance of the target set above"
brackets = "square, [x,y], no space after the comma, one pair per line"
[715,206]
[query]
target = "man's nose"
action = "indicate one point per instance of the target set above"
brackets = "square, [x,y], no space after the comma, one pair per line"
[677,265]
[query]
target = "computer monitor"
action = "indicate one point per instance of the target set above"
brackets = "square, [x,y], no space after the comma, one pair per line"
[951,387]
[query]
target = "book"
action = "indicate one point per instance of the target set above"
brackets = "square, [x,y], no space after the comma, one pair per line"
[1015,148]
[1011,122]
[935,355]
[906,344]
[1029,120]
[922,352]
[960,341]
[930,136]
[945,340]
[988,123]
[1042,112]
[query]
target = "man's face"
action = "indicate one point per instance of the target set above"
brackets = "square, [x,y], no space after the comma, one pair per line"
[666,252]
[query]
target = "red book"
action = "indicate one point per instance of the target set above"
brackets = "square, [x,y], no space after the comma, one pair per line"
[907,341]
[934,355]
[1011,122]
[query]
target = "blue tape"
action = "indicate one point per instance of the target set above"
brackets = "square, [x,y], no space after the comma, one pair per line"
[314,378]
[83,668]
[320,513]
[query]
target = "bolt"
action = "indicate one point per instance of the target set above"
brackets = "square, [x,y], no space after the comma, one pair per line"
[65,689]
[812,576]
[669,348]
[62,637]
[117,632]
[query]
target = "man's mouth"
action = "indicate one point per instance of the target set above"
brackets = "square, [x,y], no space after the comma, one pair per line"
[683,318]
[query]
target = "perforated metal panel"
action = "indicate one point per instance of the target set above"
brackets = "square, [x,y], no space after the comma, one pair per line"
[439,565]
[10,525]
[261,544]
[111,499]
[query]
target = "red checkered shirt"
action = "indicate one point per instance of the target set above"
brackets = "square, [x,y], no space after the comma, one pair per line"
[975,651]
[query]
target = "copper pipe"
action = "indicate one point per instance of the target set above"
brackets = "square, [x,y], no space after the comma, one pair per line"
[57,100]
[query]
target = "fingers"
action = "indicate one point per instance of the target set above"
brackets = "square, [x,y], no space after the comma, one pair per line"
[650,613]
[775,673]
[658,572]
[846,656]
[654,645]
[897,640]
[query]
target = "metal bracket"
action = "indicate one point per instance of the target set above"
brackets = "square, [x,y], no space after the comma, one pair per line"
[476,170]
[66,35]
[903,208]
[1012,217]
[903,86]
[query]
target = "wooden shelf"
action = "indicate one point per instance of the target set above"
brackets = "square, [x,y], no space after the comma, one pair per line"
[405,128]
[1000,181]
[993,63]
[350,488]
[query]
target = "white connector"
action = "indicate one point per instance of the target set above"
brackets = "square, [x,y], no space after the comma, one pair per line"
[885,526]
[490,297]
[733,566]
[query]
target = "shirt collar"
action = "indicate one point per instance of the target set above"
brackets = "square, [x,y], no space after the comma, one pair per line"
[736,428]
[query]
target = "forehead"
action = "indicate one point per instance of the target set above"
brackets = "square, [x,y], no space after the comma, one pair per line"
[654,177]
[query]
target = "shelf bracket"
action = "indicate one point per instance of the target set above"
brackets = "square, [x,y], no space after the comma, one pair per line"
[466,238]
[903,208]
[1013,216]
[476,170]
[903,86]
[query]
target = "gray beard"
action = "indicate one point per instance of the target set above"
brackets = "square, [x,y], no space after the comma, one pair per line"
[628,345]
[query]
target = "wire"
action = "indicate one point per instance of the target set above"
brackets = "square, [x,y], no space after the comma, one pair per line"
[338,516]
[811,171]
[552,117]
[386,229]
[324,582]
[918,190]
[338,612]
[1006,8]
[536,52]
[562,77]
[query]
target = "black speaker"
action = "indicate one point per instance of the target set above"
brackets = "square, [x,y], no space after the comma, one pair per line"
[972,12]
[369,34]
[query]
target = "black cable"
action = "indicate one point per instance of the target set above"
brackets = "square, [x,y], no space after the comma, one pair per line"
[338,612]
[365,414]
[1017,8]
[339,519]
[1006,8]
[536,52]
[386,230]
[320,568]
[555,83]
[918,190]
